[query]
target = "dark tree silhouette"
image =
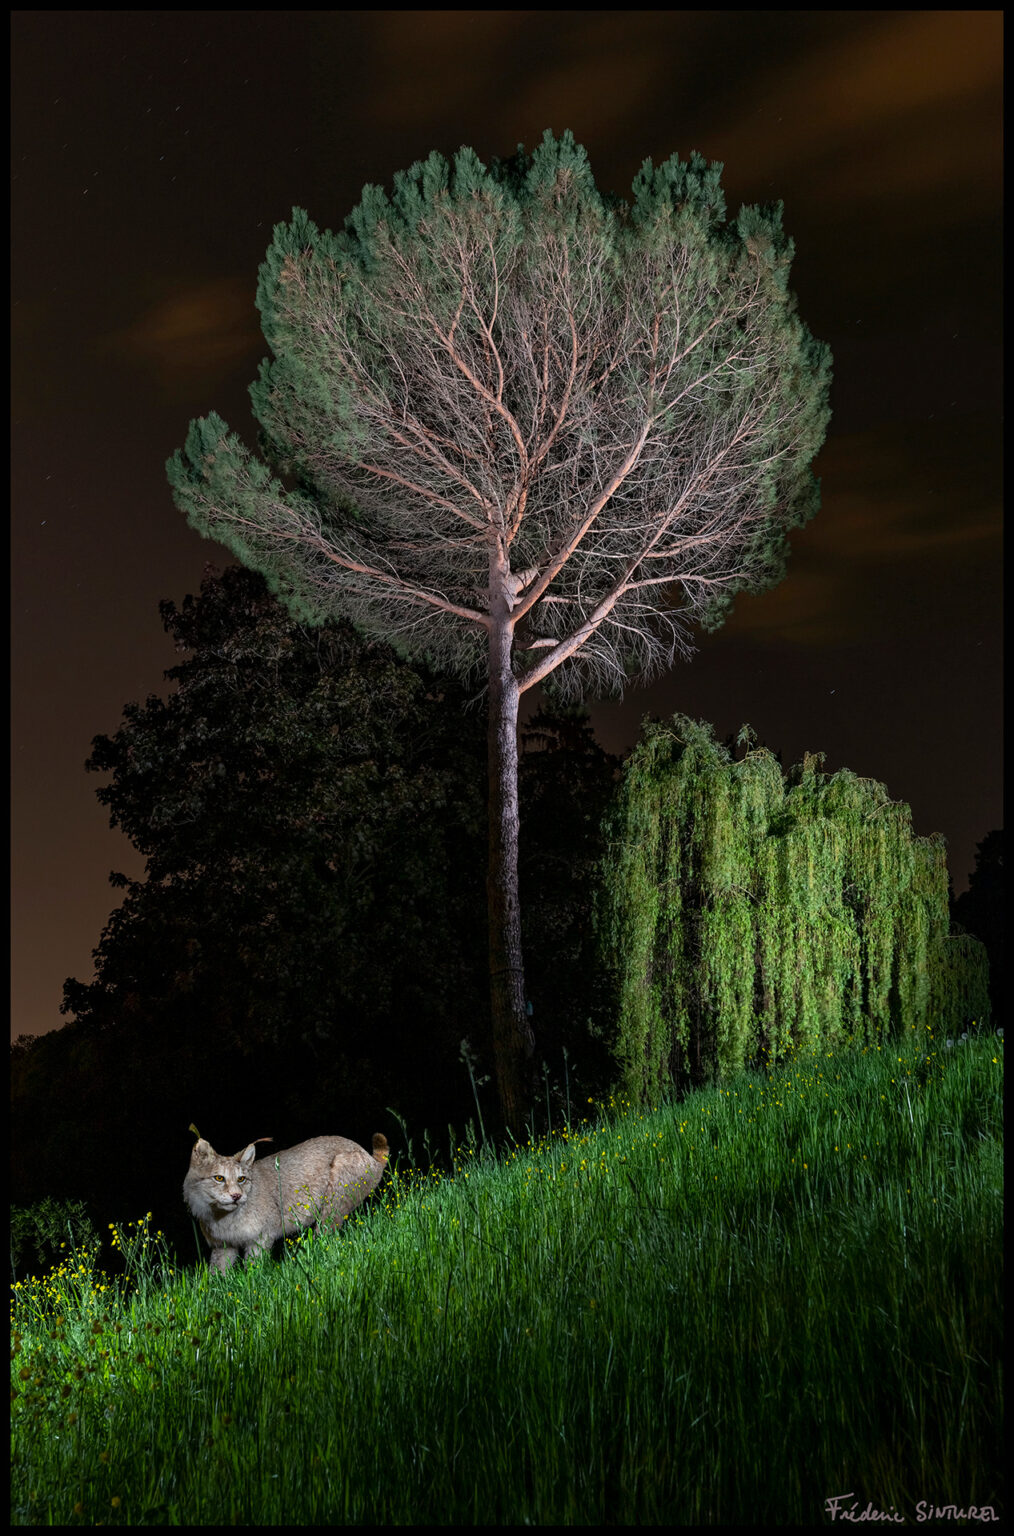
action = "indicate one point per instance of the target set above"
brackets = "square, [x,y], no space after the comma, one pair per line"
[311,818]
[982,911]
[307,937]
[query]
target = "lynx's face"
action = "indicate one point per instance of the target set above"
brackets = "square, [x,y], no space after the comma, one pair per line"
[226,1187]
[215,1184]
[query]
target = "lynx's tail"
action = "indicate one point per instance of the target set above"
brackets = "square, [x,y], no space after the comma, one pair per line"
[380,1147]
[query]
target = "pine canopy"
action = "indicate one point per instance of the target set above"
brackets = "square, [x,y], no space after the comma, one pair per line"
[496,369]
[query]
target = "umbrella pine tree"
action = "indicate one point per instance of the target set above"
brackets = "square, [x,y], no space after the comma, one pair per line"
[526,433]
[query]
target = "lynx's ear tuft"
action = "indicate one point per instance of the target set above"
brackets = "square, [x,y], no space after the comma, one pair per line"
[195,1130]
[380,1148]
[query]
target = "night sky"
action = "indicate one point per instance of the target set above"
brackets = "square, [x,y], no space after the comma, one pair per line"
[154,151]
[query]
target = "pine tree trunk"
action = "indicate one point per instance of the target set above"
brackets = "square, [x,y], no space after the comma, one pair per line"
[513,1041]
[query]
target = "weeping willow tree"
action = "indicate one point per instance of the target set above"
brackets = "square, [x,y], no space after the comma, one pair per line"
[745,912]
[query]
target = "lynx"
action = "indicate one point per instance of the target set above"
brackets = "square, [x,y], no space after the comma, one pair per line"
[239,1203]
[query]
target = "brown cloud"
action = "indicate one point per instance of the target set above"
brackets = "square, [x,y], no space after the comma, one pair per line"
[901,100]
[899,512]
[201,331]
[420,71]
[900,493]
[903,103]
[597,83]
[913,60]
[526,70]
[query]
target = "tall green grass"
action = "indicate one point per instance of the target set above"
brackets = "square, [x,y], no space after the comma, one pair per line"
[727,1310]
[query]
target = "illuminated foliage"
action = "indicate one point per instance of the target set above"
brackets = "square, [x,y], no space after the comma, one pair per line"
[746,912]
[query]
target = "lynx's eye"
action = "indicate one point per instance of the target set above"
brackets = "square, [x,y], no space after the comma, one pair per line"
[219,1178]
[242,1179]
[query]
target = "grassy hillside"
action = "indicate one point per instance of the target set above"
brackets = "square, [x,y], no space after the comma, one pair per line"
[725,1311]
